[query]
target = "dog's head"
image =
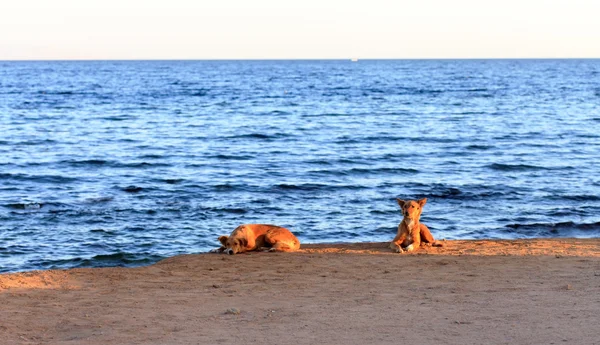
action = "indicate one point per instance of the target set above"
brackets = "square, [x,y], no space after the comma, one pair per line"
[232,245]
[411,209]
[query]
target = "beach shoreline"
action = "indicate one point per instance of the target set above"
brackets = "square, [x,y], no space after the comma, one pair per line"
[528,291]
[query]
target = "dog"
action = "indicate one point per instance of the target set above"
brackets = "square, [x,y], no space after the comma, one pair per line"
[411,232]
[251,237]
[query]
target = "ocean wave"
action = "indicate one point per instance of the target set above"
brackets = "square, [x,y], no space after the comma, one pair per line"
[97,163]
[172,180]
[384,212]
[226,187]
[132,189]
[363,171]
[397,171]
[319,162]
[13,250]
[522,167]
[316,187]
[118,259]
[152,156]
[35,207]
[576,197]
[85,162]
[232,210]
[258,136]
[587,136]
[65,93]
[99,200]
[142,165]
[328,114]
[195,92]
[123,258]
[449,193]
[53,179]
[25,206]
[415,91]
[562,229]
[375,90]
[103,231]
[34,142]
[479,147]
[279,112]
[463,192]
[226,157]
[119,118]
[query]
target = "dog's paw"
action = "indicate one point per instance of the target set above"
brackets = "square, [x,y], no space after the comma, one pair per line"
[410,248]
[399,250]
[215,251]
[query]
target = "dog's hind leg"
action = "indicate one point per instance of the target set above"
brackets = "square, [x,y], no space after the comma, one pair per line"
[427,237]
[281,247]
[281,241]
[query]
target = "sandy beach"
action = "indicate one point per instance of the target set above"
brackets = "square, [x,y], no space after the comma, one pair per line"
[544,291]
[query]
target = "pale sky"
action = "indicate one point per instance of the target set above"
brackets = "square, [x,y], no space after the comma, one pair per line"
[298,29]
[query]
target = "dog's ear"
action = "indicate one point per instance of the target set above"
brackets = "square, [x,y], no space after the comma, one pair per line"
[223,240]
[400,202]
[422,202]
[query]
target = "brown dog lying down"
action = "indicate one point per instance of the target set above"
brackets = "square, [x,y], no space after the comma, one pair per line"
[249,237]
[411,232]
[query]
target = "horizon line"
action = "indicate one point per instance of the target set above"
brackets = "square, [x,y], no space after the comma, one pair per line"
[299,59]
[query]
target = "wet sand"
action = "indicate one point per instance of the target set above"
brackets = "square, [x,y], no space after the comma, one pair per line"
[467,292]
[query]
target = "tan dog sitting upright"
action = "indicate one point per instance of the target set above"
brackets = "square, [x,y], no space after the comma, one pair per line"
[249,237]
[411,232]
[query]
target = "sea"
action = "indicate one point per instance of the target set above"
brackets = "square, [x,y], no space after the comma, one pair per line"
[123,163]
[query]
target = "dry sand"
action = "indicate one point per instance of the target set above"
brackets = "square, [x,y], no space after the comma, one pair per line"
[468,292]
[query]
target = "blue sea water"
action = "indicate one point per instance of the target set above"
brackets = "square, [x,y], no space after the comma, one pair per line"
[122,163]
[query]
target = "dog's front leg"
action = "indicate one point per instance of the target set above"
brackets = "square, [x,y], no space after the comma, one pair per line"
[416,240]
[396,246]
[217,250]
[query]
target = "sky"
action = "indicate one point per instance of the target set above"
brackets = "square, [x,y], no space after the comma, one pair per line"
[298,29]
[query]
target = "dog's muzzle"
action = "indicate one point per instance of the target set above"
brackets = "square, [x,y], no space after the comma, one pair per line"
[229,251]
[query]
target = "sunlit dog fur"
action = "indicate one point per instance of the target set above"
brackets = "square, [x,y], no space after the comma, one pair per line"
[411,232]
[249,237]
